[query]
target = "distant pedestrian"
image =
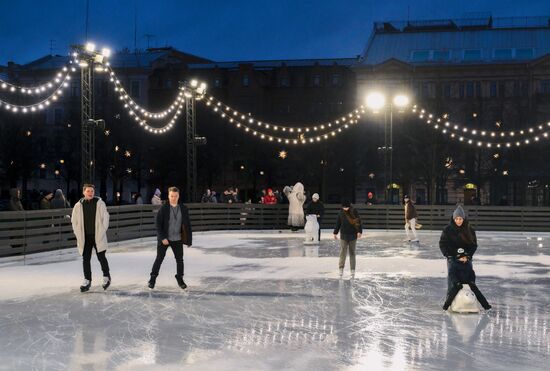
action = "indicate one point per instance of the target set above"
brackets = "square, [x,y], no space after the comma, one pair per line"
[59,201]
[15,200]
[156,200]
[316,207]
[45,201]
[349,225]
[410,219]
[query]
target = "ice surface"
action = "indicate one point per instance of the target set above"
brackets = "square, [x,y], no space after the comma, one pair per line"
[264,301]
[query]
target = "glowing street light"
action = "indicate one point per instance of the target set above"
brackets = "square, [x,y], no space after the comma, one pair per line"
[401,101]
[376,101]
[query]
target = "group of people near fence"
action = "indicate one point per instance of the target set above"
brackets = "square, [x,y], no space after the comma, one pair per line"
[90,221]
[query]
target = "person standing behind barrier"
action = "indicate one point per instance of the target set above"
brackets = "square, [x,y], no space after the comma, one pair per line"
[350,227]
[316,208]
[156,200]
[45,202]
[269,198]
[410,219]
[174,230]
[59,201]
[90,221]
[15,200]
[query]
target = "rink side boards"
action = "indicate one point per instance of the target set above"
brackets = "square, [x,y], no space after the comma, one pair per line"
[26,232]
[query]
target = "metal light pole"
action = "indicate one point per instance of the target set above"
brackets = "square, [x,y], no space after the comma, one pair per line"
[193,92]
[88,57]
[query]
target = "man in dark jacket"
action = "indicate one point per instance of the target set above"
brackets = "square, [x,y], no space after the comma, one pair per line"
[458,243]
[350,227]
[174,230]
[15,200]
[317,208]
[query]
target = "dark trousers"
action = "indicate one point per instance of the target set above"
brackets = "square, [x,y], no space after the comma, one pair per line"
[177,249]
[89,245]
[456,288]
[319,221]
[459,274]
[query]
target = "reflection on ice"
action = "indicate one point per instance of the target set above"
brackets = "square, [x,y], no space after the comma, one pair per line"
[276,305]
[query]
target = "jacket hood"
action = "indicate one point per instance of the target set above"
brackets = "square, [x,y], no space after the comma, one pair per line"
[13,193]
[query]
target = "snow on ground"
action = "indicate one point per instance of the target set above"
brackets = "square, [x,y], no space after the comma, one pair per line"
[263,300]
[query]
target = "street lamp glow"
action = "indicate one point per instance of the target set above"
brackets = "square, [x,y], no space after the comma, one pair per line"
[401,101]
[376,101]
[106,52]
[90,47]
[194,83]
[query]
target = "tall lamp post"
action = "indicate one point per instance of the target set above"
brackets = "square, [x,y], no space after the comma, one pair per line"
[376,101]
[89,59]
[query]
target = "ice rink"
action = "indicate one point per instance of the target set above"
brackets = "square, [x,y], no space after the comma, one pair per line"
[263,301]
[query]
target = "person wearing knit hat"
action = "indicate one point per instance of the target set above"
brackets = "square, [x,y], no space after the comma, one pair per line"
[350,227]
[156,200]
[317,208]
[410,219]
[458,243]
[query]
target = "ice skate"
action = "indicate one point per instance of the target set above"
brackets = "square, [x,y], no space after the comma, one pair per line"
[85,285]
[106,282]
[152,281]
[181,283]
[341,272]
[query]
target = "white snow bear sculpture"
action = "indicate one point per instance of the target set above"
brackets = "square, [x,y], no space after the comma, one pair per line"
[465,301]
[296,198]
[311,229]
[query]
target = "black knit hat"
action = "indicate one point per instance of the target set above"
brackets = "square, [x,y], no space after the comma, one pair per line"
[346,203]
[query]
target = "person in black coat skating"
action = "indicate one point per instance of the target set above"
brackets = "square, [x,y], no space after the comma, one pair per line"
[458,243]
[173,230]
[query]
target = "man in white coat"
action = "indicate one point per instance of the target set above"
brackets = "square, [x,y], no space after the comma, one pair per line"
[90,221]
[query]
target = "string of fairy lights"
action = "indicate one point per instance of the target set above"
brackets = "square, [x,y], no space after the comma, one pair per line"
[59,83]
[477,137]
[141,115]
[165,120]
[276,133]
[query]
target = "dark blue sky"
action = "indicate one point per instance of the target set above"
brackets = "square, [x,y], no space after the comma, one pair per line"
[224,30]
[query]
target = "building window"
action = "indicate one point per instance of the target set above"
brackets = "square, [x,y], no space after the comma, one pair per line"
[284,82]
[134,89]
[217,83]
[420,55]
[524,88]
[493,89]
[472,55]
[58,116]
[461,90]
[442,55]
[74,88]
[478,89]
[447,90]
[501,89]
[336,80]
[525,53]
[316,80]
[245,80]
[168,84]
[469,89]
[545,86]
[425,90]
[502,54]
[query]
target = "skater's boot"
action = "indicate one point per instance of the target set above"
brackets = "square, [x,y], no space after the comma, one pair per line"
[341,272]
[180,281]
[152,281]
[106,282]
[85,285]
[352,273]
